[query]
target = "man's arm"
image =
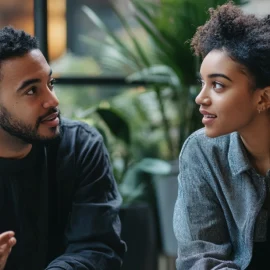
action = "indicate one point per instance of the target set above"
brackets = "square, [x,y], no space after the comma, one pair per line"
[199,223]
[93,231]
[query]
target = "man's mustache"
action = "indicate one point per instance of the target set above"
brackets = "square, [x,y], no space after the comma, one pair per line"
[51,111]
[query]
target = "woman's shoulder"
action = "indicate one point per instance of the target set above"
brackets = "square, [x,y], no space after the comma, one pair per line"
[199,143]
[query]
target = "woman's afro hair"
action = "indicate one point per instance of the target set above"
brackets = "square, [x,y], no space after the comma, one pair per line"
[245,38]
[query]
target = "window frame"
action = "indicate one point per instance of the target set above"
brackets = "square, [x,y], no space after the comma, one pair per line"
[41,32]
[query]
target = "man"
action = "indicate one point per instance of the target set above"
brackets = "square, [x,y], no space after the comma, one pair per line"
[58,197]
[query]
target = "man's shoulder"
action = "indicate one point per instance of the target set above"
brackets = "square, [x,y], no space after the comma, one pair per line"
[78,128]
[78,134]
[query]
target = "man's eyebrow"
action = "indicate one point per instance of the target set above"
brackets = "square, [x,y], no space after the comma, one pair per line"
[30,81]
[214,75]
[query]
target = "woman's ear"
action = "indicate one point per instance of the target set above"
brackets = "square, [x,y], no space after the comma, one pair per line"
[264,98]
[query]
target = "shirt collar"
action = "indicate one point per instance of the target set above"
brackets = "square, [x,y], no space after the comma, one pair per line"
[237,155]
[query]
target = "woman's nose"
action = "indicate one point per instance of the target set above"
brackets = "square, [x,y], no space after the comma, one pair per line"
[203,98]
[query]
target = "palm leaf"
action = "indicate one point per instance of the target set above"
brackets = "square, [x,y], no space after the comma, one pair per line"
[116,123]
[113,38]
[137,46]
[112,56]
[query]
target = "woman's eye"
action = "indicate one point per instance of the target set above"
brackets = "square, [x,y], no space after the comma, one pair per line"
[217,85]
[201,82]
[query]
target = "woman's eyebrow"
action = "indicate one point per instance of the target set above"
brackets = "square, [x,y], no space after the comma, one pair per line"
[214,75]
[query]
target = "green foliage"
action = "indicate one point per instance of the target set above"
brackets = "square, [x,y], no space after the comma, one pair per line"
[133,187]
[116,130]
[117,125]
[76,98]
[166,60]
[155,120]
[170,25]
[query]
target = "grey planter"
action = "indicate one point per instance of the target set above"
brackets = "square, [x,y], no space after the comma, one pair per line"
[166,187]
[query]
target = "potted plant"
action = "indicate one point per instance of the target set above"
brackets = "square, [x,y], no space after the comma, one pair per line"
[167,62]
[139,228]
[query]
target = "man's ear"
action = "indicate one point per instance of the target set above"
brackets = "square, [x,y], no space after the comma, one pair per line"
[264,98]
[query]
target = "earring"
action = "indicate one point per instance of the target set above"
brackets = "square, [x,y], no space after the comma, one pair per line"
[261,109]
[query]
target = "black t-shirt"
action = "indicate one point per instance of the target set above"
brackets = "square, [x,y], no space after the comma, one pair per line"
[261,250]
[19,205]
[260,256]
[261,253]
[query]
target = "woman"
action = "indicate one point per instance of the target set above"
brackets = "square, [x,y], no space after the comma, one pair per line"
[221,214]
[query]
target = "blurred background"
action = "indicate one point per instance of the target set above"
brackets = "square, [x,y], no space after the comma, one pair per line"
[125,66]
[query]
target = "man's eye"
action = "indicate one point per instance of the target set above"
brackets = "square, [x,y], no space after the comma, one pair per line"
[51,84]
[32,91]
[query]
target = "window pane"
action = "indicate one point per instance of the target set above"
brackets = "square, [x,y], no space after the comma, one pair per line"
[77,46]
[56,28]
[17,13]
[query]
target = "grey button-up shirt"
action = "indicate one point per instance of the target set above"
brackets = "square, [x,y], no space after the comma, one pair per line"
[218,212]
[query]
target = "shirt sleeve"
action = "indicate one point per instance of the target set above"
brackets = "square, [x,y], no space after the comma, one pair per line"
[93,231]
[199,222]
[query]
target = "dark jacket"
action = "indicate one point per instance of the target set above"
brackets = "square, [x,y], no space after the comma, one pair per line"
[80,204]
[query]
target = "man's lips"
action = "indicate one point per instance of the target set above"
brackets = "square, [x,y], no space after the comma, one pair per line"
[50,117]
[51,120]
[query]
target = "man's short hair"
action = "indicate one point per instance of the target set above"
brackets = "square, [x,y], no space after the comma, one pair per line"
[15,42]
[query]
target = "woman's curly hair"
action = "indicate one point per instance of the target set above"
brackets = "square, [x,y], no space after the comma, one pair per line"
[245,38]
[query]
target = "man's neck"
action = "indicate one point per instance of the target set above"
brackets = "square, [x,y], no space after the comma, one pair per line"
[12,147]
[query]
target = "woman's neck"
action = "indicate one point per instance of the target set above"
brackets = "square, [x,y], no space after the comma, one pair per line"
[257,143]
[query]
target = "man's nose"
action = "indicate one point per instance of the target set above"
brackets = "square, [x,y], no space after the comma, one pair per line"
[51,100]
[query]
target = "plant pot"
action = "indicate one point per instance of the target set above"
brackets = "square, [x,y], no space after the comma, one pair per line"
[139,233]
[166,189]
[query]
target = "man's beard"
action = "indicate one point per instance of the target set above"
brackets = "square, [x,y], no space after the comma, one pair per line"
[25,132]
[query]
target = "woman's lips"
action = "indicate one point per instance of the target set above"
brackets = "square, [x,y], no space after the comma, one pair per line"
[208,118]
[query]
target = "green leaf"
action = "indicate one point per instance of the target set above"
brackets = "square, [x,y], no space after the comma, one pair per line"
[116,123]
[113,38]
[136,44]
[113,56]
[154,166]
[154,34]
[157,74]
